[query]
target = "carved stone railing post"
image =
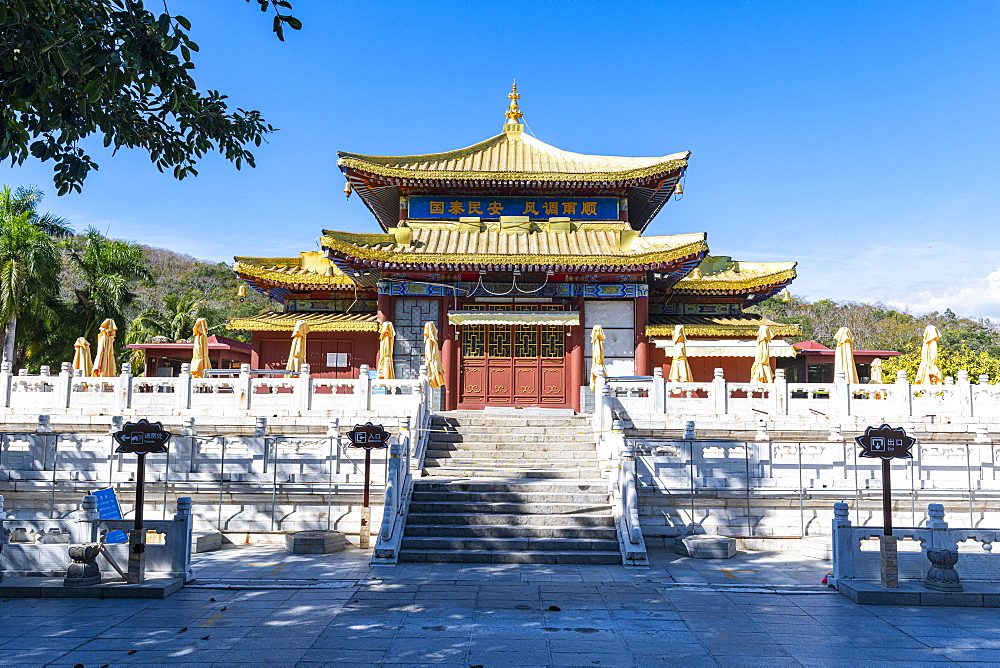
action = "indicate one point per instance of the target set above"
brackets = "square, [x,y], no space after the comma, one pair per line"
[257,446]
[904,394]
[180,556]
[64,384]
[689,431]
[6,383]
[842,543]
[243,390]
[658,395]
[964,394]
[780,392]
[841,395]
[84,571]
[363,390]
[720,393]
[304,388]
[183,397]
[123,397]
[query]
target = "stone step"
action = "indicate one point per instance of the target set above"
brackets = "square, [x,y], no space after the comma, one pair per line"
[511,557]
[515,451]
[512,462]
[508,531]
[579,520]
[474,423]
[494,472]
[510,497]
[506,544]
[486,442]
[513,437]
[513,508]
[523,485]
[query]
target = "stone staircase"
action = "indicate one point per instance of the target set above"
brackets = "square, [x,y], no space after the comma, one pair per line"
[506,489]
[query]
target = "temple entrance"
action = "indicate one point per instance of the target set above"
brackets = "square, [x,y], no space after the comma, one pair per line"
[513,364]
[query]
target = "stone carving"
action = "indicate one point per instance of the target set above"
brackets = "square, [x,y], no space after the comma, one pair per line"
[942,575]
[84,570]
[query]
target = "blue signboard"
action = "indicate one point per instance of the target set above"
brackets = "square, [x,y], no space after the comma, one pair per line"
[108,509]
[539,208]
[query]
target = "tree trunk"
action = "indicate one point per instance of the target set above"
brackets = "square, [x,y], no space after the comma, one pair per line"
[8,340]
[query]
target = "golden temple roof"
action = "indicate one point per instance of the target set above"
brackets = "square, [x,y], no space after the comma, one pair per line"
[743,325]
[585,244]
[723,275]
[311,269]
[318,322]
[515,156]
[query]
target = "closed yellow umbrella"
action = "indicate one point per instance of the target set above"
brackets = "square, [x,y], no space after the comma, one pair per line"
[199,356]
[297,355]
[104,364]
[386,339]
[432,356]
[760,372]
[876,377]
[81,357]
[597,362]
[929,373]
[680,370]
[843,357]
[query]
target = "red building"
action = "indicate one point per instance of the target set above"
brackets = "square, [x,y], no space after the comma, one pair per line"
[515,249]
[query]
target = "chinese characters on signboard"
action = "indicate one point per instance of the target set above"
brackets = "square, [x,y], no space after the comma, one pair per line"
[577,208]
[885,443]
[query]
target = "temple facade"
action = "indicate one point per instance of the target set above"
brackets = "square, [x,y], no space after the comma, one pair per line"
[515,249]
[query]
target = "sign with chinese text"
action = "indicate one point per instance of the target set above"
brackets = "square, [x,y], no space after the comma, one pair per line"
[108,508]
[541,208]
[885,443]
[368,436]
[142,438]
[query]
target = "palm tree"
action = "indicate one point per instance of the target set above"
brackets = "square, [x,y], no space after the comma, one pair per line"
[29,260]
[108,269]
[29,274]
[174,321]
[25,200]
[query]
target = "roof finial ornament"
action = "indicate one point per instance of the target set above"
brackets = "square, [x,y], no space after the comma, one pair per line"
[513,111]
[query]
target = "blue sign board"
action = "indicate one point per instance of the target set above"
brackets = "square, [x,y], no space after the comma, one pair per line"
[537,208]
[108,509]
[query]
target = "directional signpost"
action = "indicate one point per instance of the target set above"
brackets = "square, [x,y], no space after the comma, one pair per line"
[367,436]
[140,438]
[886,443]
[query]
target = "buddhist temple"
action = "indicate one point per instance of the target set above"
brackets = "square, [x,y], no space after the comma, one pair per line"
[515,249]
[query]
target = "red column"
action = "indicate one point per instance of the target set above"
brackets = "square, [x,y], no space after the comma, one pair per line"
[575,362]
[641,340]
[384,307]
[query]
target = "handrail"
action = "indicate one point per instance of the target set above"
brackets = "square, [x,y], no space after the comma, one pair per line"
[617,458]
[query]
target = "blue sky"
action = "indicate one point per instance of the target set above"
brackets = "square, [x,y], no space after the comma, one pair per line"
[859,138]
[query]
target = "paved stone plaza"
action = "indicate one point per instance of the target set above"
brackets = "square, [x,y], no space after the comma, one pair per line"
[761,609]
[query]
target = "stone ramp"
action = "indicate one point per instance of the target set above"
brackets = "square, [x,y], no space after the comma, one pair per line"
[510,489]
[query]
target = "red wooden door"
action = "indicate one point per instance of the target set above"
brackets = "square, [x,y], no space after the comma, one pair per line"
[512,365]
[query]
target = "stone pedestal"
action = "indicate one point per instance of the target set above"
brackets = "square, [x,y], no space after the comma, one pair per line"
[888,562]
[315,542]
[942,575]
[84,570]
[705,547]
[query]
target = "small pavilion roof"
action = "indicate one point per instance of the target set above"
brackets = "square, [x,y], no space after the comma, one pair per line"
[318,322]
[310,269]
[721,276]
[744,325]
[815,348]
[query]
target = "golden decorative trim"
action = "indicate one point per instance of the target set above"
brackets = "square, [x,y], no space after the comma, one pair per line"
[379,255]
[285,322]
[749,330]
[288,278]
[437,175]
[740,284]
